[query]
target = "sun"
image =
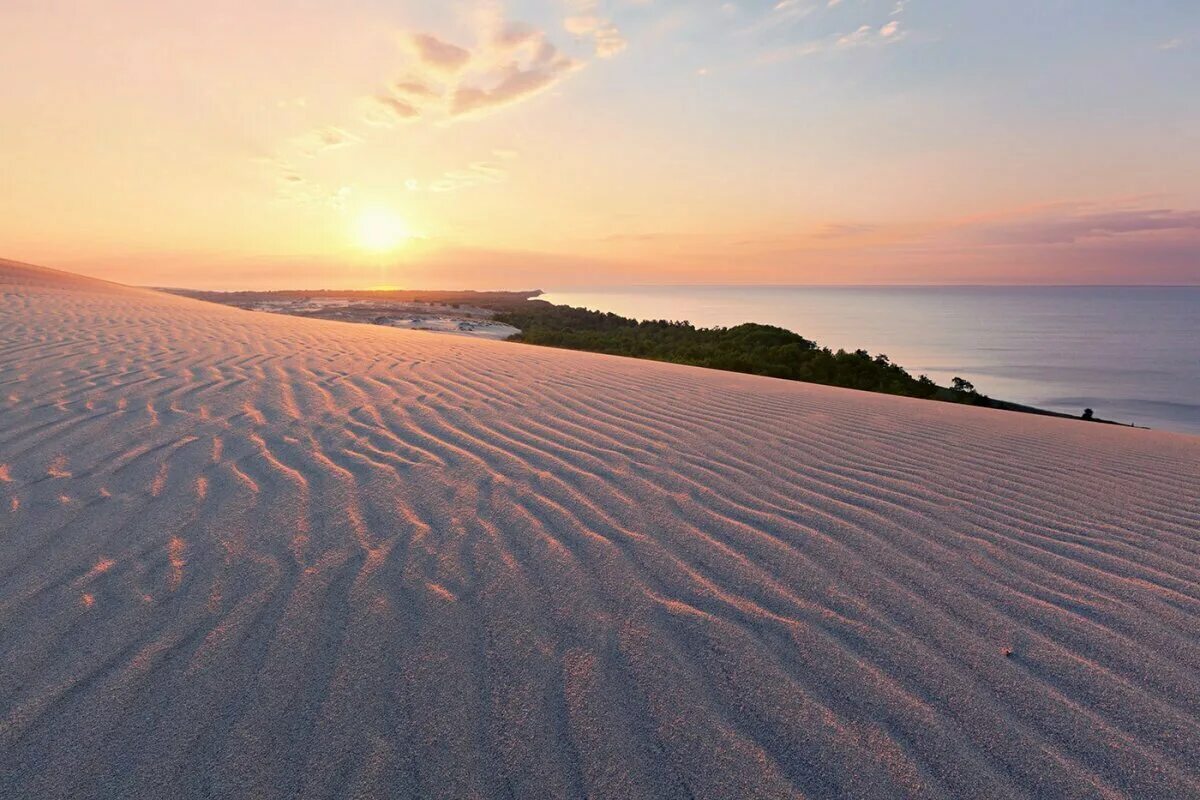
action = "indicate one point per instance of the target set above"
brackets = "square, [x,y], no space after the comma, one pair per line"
[381,230]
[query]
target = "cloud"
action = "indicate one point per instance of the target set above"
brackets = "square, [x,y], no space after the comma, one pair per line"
[293,187]
[863,36]
[856,38]
[510,62]
[844,230]
[583,20]
[782,15]
[512,84]
[386,110]
[408,100]
[1117,242]
[415,88]
[609,41]
[480,172]
[582,24]
[1060,227]
[1070,242]
[323,139]
[439,55]
[786,15]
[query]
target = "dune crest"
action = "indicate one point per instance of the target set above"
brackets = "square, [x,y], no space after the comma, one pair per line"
[18,274]
[244,555]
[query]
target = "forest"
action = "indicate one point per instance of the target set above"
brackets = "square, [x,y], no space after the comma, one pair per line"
[750,348]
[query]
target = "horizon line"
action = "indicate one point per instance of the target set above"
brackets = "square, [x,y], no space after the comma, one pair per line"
[619,287]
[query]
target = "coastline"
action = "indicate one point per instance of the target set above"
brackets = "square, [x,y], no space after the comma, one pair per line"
[521,317]
[1129,353]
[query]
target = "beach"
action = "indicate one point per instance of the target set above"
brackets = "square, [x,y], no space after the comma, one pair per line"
[247,555]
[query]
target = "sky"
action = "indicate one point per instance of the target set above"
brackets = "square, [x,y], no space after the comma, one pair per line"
[563,144]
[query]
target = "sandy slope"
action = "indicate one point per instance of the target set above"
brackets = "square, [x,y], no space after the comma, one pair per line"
[244,555]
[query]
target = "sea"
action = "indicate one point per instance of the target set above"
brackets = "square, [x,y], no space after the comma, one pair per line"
[1132,354]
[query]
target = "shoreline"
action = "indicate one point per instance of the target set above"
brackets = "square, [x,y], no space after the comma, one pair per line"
[504,315]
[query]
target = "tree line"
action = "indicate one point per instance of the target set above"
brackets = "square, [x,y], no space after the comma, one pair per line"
[750,348]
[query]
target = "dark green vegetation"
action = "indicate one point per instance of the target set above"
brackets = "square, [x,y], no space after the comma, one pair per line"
[751,348]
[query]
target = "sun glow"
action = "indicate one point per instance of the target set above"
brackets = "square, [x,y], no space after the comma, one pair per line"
[381,230]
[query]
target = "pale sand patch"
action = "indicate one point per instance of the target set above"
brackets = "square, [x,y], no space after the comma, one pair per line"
[297,558]
[484,329]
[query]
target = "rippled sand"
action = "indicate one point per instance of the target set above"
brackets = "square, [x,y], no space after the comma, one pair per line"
[244,555]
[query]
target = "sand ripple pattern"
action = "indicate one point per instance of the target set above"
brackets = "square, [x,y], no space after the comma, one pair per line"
[244,556]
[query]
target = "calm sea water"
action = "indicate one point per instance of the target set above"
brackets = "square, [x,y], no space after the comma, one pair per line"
[1130,353]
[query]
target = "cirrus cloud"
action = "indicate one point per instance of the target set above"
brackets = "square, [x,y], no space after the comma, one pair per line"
[1073,225]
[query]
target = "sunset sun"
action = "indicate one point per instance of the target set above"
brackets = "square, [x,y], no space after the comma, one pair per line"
[381,230]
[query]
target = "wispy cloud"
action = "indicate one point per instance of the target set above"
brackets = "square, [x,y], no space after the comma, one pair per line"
[509,62]
[1117,242]
[791,20]
[437,55]
[585,20]
[478,173]
[1059,226]
[863,36]
[844,230]
[387,110]
[781,15]
[291,186]
[524,63]
[512,85]
[320,140]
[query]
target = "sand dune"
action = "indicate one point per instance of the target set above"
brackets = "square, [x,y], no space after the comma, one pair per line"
[244,555]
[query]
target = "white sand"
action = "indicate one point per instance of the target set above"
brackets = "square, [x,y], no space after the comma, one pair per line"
[463,321]
[483,329]
[253,556]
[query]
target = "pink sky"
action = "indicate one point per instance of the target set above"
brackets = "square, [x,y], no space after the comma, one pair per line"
[563,143]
